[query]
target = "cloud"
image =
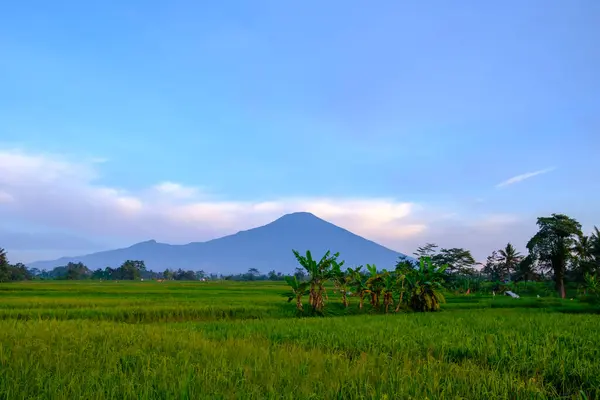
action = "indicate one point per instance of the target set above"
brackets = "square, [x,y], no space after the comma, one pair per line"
[52,192]
[522,177]
[176,190]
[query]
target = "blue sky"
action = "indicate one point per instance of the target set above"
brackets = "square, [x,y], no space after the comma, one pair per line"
[396,120]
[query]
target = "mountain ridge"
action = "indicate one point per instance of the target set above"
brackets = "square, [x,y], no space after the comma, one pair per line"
[267,247]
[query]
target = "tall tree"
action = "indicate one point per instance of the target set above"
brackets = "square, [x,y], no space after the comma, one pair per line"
[252,273]
[3,257]
[492,266]
[552,246]
[429,250]
[457,260]
[509,258]
[76,271]
[525,270]
[132,269]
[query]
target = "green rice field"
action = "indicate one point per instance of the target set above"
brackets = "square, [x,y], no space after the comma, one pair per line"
[227,340]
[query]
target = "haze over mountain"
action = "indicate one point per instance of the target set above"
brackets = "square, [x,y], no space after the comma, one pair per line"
[266,248]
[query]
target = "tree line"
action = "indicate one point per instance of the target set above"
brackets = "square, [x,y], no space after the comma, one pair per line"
[129,270]
[558,251]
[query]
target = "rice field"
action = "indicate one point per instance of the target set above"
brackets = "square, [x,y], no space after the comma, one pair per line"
[194,340]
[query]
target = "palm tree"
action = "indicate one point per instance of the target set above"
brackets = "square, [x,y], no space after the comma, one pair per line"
[583,249]
[595,239]
[509,258]
[298,290]
[3,258]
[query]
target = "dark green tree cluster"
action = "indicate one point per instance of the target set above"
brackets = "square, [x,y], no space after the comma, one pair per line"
[12,273]
[254,274]
[559,249]
[129,270]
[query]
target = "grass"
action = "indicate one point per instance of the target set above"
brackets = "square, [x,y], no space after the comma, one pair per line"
[146,340]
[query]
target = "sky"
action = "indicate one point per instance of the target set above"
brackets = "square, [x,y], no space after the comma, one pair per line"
[457,123]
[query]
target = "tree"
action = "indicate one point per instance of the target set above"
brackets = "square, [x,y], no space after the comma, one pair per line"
[404,264]
[319,272]
[492,266]
[429,250]
[595,239]
[252,273]
[388,289]
[424,286]
[583,250]
[341,280]
[298,290]
[508,258]
[457,260]
[525,270]
[20,272]
[168,274]
[8,273]
[272,275]
[5,275]
[361,287]
[76,271]
[181,275]
[299,273]
[3,257]
[375,284]
[131,269]
[200,275]
[552,246]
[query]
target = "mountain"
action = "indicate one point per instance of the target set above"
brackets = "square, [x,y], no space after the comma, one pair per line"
[265,248]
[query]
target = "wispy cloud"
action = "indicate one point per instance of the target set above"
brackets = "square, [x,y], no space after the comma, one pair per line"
[522,177]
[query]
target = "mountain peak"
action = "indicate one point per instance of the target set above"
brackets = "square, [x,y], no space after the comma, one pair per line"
[146,243]
[266,248]
[297,216]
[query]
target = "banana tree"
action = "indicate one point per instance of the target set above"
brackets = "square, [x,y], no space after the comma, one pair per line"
[360,285]
[388,288]
[400,288]
[319,272]
[425,286]
[341,280]
[298,290]
[375,283]
[592,284]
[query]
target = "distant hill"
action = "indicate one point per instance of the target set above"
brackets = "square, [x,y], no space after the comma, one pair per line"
[266,248]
